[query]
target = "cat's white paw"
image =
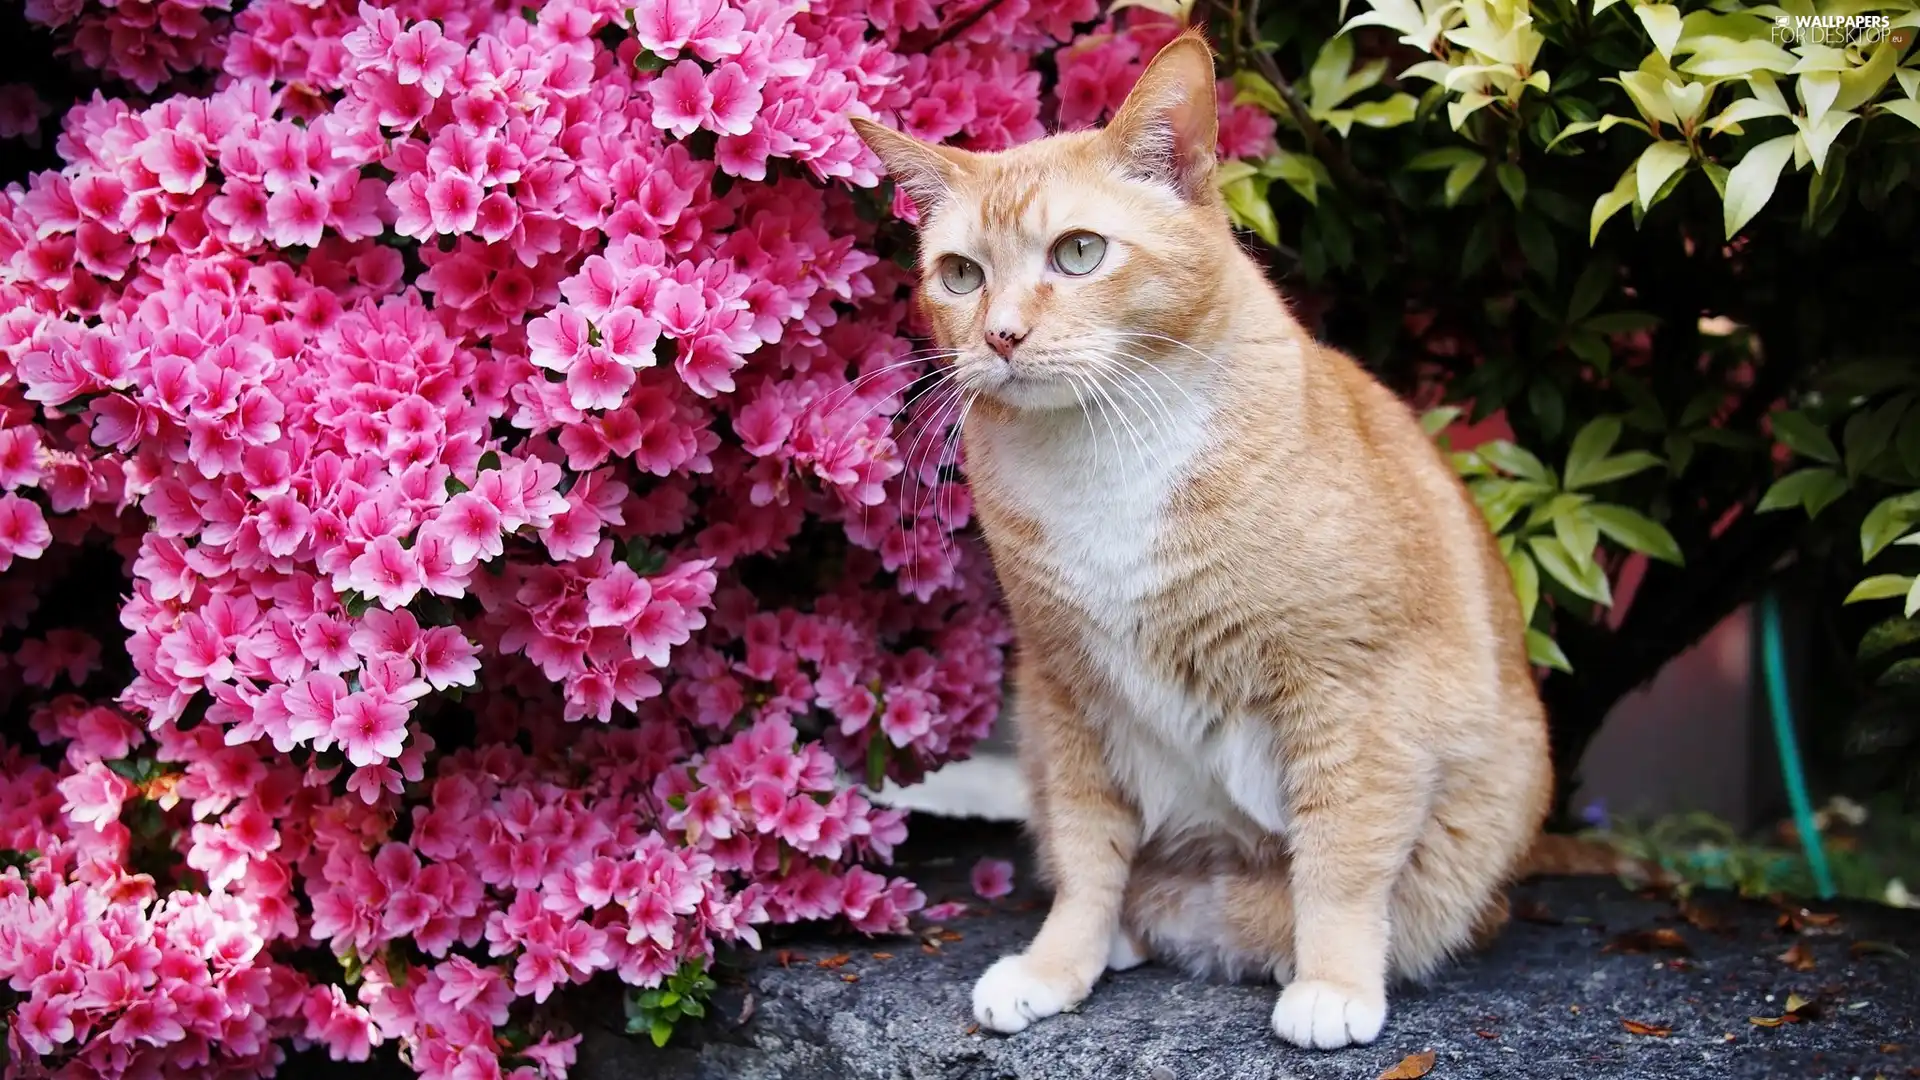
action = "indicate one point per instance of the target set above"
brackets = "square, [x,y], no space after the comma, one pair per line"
[1015,992]
[1317,1015]
[1125,953]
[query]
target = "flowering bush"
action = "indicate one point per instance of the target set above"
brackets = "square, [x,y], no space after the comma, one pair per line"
[532,517]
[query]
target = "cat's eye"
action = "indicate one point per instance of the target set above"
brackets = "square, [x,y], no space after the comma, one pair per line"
[960,275]
[1079,253]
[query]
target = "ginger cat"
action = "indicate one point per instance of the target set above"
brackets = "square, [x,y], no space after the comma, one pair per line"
[1274,696]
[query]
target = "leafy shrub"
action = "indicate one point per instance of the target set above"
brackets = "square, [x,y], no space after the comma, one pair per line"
[1670,248]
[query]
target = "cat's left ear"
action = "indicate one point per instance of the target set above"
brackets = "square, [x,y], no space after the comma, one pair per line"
[1169,126]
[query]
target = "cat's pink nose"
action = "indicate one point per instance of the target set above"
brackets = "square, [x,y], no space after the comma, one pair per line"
[1003,341]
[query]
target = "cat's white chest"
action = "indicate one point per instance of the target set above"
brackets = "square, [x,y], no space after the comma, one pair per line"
[1101,499]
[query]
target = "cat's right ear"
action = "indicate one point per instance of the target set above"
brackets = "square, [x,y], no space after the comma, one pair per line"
[1169,126]
[924,171]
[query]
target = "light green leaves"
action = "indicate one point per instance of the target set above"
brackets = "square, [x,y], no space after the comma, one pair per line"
[1636,532]
[1549,525]
[1612,202]
[1181,10]
[1812,489]
[1332,82]
[1244,188]
[1751,182]
[1582,577]
[1656,166]
[1663,26]
[1590,461]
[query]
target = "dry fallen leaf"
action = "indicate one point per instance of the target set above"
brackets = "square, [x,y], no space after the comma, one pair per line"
[1488,1034]
[1799,958]
[832,962]
[973,1029]
[787,957]
[883,956]
[1411,1067]
[1635,1027]
[1878,948]
[1799,1010]
[1534,911]
[952,935]
[746,1009]
[849,978]
[1800,920]
[1663,939]
[1702,917]
[930,949]
[1891,1048]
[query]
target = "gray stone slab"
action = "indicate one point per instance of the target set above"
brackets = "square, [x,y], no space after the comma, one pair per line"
[1549,999]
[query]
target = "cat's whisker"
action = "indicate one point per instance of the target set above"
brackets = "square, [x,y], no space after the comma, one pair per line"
[906,410]
[1146,336]
[1145,445]
[1153,395]
[937,422]
[862,380]
[949,547]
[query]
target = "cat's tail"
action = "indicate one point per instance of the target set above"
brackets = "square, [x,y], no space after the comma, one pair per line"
[1559,855]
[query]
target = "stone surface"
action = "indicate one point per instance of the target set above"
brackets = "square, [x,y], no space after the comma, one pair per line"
[1550,999]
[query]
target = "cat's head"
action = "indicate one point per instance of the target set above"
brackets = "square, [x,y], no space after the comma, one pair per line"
[1047,266]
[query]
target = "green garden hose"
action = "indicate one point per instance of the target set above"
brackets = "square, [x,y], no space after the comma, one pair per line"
[1774,664]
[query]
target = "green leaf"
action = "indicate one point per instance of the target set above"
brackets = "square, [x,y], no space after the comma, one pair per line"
[1880,587]
[660,1031]
[1804,437]
[1536,243]
[1610,204]
[1393,112]
[1869,434]
[1886,522]
[1621,466]
[1888,636]
[488,461]
[1587,582]
[1590,289]
[1814,489]
[1577,533]
[1447,157]
[1663,26]
[1526,583]
[1549,407]
[1546,652]
[1751,182]
[1635,531]
[1254,89]
[1434,421]
[1512,181]
[1657,164]
[1913,599]
[1516,460]
[1462,177]
[1621,322]
[1899,673]
[1247,202]
[1500,500]
[1594,442]
[1592,348]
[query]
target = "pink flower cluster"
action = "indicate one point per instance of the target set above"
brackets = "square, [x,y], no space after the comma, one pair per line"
[534,517]
[144,42]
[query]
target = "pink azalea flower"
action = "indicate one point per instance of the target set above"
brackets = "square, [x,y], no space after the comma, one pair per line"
[992,878]
[369,729]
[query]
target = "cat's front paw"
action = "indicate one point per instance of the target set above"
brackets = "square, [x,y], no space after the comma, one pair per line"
[1318,1015]
[1016,991]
